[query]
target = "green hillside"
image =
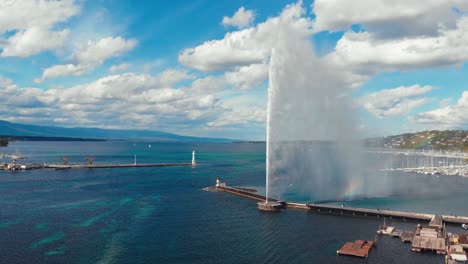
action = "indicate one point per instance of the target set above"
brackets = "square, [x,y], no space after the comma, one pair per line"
[452,140]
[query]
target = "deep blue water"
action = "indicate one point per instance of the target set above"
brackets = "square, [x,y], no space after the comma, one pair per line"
[162,215]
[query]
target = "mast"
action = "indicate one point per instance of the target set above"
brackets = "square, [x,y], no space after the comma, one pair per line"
[432,157]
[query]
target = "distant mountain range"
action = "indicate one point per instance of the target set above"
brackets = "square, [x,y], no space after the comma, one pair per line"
[35,132]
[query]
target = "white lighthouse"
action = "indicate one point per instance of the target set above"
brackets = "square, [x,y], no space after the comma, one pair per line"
[194,162]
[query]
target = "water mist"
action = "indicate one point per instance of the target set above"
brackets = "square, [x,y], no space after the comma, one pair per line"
[313,147]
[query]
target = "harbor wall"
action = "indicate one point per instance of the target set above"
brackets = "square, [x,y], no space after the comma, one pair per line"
[343,210]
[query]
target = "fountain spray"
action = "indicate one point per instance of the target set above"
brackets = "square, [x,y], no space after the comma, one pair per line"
[267,205]
[268,132]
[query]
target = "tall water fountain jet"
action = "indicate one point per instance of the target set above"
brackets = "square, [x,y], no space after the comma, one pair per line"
[268,130]
[313,144]
[269,205]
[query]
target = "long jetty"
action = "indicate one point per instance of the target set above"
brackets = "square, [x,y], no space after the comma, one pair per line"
[35,166]
[89,166]
[344,210]
[244,193]
[110,166]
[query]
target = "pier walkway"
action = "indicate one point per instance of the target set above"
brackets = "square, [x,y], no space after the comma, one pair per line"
[108,166]
[87,166]
[343,210]
[243,193]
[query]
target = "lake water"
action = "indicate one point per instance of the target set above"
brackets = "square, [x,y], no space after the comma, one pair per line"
[162,215]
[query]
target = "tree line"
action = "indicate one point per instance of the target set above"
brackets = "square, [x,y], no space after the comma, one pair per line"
[3,142]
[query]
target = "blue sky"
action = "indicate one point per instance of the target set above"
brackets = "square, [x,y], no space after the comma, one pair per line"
[201,67]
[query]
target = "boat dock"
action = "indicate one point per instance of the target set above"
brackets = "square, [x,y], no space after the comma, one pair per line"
[344,210]
[360,248]
[407,236]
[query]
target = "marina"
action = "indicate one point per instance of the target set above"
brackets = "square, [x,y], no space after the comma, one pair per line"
[452,170]
[425,153]
[428,162]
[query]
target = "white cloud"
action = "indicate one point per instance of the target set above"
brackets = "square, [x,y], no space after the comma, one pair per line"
[16,99]
[445,102]
[32,41]
[395,102]
[4,82]
[128,97]
[240,116]
[366,55]
[448,117]
[64,70]
[241,19]
[400,35]
[247,77]
[33,22]
[109,87]
[240,110]
[208,85]
[388,18]
[96,52]
[119,67]
[170,77]
[25,14]
[88,56]
[251,45]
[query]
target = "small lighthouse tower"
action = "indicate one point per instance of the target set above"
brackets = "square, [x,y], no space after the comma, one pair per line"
[194,162]
[219,183]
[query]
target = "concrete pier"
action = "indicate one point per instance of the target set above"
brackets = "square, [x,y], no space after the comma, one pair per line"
[270,206]
[368,212]
[110,166]
[343,210]
[244,193]
[87,166]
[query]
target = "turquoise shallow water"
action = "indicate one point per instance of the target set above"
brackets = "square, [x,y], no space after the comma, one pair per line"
[161,215]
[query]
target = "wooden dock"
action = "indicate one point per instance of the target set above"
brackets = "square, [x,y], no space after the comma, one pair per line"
[432,237]
[360,248]
[343,210]
[407,236]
